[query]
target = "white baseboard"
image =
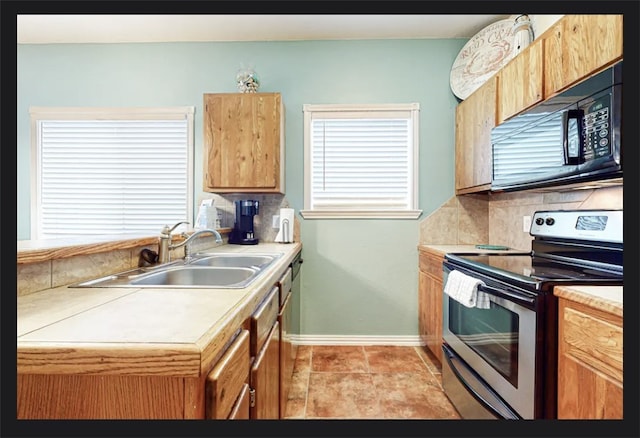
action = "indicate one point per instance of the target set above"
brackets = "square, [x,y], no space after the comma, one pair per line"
[356,340]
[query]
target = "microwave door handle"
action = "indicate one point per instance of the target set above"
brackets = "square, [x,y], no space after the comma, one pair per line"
[573,157]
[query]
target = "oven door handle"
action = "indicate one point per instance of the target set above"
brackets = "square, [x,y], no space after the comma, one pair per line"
[506,295]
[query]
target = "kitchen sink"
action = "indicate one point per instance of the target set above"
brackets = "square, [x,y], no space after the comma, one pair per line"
[234,260]
[207,270]
[198,276]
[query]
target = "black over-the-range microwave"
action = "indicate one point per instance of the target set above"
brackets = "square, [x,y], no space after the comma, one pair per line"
[571,138]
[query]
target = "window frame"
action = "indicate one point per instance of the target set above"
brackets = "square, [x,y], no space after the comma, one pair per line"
[38,114]
[413,212]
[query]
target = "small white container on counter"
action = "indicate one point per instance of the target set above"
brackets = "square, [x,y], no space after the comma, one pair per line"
[207,215]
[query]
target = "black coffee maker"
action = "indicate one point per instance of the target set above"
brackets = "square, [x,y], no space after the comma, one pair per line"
[242,233]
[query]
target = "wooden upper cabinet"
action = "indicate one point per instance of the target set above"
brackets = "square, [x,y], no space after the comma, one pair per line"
[475,117]
[520,82]
[579,45]
[243,143]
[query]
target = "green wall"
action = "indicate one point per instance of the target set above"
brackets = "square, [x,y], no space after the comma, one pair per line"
[359,276]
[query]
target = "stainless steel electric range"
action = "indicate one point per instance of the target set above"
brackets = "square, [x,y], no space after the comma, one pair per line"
[501,361]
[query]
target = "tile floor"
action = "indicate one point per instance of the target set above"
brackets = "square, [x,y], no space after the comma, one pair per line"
[367,382]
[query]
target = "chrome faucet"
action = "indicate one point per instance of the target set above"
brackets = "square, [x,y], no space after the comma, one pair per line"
[187,242]
[165,246]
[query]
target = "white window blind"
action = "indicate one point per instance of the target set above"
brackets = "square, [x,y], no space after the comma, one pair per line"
[112,175]
[361,161]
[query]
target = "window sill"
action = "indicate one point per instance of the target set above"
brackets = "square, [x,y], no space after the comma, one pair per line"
[363,214]
[34,251]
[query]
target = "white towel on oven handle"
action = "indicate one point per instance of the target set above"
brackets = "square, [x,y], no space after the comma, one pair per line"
[464,289]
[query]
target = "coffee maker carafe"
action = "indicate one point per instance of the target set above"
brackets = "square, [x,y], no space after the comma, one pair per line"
[242,233]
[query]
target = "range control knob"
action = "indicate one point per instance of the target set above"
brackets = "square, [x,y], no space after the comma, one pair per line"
[539,221]
[550,221]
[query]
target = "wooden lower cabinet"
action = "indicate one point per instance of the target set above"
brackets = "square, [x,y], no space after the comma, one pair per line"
[287,349]
[265,351]
[430,302]
[72,396]
[92,397]
[265,378]
[241,410]
[262,320]
[228,378]
[590,384]
[287,354]
[239,385]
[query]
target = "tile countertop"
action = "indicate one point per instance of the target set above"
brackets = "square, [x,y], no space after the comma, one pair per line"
[146,331]
[441,250]
[607,298]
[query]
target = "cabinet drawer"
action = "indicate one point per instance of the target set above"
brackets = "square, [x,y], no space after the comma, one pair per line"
[263,319]
[225,381]
[284,284]
[430,264]
[592,340]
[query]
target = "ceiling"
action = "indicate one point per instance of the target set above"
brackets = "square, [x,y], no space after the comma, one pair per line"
[47,29]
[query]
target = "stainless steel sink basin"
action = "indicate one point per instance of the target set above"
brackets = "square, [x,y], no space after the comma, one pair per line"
[234,260]
[198,276]
[210,270]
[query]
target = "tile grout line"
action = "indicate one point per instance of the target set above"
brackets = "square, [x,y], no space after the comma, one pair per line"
[377,394]
[438,381]
[306,393]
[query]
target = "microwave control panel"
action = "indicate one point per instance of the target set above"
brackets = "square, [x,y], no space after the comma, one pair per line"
[597,131]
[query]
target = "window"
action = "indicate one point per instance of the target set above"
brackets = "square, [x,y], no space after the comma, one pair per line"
[110,170]
[361,161]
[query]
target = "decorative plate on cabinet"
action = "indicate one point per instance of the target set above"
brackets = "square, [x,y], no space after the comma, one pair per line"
[483,55]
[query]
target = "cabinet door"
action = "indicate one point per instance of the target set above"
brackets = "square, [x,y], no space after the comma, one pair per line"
[225,382]
[579,45]
[430,303]
[520,82]
[287,357]
[244,142]
[241,409]
[265,378]
[431,310]
[475,117]
[589,363]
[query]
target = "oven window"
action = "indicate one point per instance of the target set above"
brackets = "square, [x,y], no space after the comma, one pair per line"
[491,333]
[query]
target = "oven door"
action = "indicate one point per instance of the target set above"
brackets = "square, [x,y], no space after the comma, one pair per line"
[499,343]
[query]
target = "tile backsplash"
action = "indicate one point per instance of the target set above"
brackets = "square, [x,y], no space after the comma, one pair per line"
[497,218]
[34,277]
[270,205]
[461,220]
